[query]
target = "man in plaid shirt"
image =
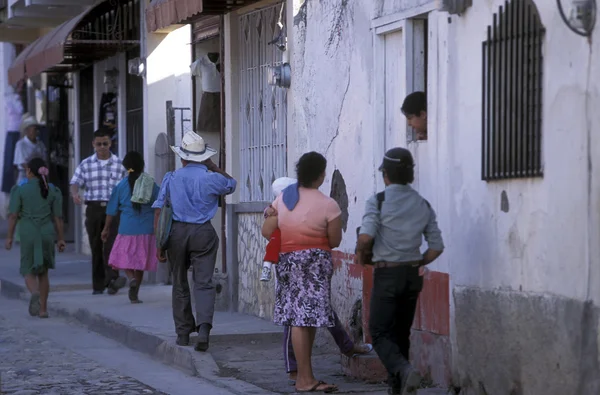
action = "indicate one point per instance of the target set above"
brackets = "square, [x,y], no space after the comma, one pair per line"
[98,175]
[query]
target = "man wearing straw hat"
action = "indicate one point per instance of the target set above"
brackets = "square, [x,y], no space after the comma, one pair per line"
[194,192]
[29,146]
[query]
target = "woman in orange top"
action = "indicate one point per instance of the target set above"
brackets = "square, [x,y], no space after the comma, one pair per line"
[310,227]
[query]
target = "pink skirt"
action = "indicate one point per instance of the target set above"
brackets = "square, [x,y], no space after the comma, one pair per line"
[134,253]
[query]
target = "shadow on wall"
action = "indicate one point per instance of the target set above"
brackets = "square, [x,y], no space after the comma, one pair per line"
[340,195]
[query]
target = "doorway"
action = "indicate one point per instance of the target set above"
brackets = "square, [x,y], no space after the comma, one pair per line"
[58,129]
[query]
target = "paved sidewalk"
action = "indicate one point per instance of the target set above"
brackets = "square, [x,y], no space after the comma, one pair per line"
[245,355]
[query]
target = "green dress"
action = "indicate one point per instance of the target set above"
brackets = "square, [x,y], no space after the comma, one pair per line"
[36,226]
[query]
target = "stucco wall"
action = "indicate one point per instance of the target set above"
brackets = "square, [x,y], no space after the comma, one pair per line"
[255,297]
[532,262]
[168,78]
[526,274]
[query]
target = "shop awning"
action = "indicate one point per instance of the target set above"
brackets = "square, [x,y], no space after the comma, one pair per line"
[161,14]
[97,33]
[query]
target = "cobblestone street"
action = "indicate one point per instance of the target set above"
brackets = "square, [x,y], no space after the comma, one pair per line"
[30,365]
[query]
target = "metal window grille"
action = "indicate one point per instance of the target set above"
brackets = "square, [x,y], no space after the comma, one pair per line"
[512,93]
[263,108]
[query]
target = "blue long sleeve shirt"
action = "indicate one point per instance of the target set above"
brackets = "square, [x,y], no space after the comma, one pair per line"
[194,193]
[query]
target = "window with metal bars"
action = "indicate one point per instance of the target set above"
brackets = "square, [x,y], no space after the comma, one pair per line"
[512,93]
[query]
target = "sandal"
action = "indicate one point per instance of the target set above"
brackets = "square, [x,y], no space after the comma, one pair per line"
[43,315]
[315,388]
[34,304]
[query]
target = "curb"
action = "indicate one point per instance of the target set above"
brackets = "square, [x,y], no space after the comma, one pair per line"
[194,363]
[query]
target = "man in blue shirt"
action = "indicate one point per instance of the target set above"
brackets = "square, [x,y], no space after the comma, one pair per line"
[194,192]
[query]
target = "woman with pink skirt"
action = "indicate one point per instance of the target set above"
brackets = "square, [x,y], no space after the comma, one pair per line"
[134,250]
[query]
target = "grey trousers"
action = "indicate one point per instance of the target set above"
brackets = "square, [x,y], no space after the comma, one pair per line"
[196,246]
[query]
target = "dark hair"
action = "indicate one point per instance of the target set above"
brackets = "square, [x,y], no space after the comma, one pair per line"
[34,166]
[103,132]
[134,163]
[400,174]
[414,104]
[309,168]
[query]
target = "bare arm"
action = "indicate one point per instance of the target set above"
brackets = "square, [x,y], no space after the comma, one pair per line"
[334,232]
[269,227]
[12,224]
[109,220]
[430,256]
[364,246]
[214,168]
[156,218]
[75,194]
[59,226]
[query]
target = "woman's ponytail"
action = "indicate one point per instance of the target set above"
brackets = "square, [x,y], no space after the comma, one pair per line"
[38,168]
[134,163]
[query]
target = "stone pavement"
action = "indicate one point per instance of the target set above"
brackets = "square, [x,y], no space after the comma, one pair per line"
[30,365]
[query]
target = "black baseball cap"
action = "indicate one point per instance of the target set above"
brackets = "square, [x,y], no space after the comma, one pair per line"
[397,157]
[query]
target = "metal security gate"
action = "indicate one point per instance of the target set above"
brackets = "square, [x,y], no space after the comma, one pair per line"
[263,108]
[134,106]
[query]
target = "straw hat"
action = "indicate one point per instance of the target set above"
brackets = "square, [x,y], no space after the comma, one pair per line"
[27,121]
[193,148]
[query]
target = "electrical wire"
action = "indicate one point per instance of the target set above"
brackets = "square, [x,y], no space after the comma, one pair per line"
[561,11]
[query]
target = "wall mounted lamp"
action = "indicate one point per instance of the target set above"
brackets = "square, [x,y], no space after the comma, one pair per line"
[137,66]
[280,75]
[581,18]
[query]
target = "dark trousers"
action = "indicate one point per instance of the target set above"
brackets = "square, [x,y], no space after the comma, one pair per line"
[393,304]
[338,332]
[196,246]
[95,219]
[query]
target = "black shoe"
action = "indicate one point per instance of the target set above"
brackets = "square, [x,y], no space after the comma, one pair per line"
[411,380]
[203,335]
[97,292]
[115,285]
[183,340]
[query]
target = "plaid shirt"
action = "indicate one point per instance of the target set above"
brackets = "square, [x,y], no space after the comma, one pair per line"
[97,179]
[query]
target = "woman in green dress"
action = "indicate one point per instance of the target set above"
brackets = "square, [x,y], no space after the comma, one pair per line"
[38,207]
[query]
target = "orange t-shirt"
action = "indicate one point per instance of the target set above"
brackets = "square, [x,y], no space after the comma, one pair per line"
[306,226]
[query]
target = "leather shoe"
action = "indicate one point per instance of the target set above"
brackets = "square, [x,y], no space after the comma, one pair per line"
[183,340]
[203,335]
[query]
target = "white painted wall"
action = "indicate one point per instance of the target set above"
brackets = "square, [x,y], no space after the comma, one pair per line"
[548,241]
[168,78]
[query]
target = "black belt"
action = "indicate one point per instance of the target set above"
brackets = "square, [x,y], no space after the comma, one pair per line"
[96,203]
[382,265]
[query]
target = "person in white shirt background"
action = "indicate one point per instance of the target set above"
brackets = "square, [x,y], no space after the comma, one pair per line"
[29,146]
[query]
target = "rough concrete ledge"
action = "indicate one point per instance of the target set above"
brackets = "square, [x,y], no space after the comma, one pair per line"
[183,358]
[519,343]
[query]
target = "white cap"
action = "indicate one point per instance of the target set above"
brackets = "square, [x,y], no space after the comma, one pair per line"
[281,183]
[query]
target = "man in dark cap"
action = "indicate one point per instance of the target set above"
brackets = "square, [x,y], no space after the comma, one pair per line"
[393,225]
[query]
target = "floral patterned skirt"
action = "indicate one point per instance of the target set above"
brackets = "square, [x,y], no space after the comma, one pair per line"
[303,290]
